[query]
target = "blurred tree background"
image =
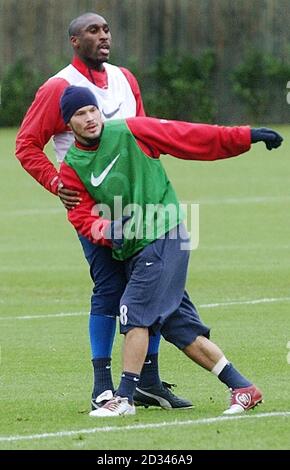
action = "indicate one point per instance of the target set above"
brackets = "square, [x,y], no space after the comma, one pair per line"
[222,61]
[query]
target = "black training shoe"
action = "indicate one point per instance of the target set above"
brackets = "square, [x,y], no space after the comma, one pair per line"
[160,395]
[101,399]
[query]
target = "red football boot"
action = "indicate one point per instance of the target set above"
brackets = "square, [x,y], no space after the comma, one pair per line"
[243,399]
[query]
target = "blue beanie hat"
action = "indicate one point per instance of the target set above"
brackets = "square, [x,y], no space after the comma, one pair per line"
[74,98]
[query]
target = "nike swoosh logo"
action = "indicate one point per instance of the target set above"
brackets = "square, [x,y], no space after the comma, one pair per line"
[96,181]
[110,115]
[148,264]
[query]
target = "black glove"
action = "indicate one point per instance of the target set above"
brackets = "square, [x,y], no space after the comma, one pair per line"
[114,231]
[271,138]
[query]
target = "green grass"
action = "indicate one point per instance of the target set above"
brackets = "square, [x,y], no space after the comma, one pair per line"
[244,255]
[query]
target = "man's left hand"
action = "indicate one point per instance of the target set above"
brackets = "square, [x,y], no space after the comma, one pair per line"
[271,138]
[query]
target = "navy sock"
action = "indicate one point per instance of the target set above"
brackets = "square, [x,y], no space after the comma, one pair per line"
[150,374]
[154,341]
[232,378]
[102,376]
[127,386]
[102,331]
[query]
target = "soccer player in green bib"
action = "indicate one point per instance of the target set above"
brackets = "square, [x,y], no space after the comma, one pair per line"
[128,204]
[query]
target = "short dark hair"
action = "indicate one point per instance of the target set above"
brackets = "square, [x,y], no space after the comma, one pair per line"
[78,23]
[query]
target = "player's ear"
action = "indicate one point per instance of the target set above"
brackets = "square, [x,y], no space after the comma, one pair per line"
[75,41]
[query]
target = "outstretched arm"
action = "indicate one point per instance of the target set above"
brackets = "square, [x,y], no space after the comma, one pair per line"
[190,141]
[196,141]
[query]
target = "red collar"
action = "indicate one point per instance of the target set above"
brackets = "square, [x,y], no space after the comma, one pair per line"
[85,147]
[100,79]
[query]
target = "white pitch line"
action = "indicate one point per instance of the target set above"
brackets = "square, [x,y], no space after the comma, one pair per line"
[210,201]
[38,268]
[239,200]
[49,315]
[136,427]
[29,212]
[245,302]
[235,247]
[214,305]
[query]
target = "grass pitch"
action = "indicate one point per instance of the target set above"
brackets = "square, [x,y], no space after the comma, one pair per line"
[238,278]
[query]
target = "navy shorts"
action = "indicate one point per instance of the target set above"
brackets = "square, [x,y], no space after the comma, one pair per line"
[155,294]
[108,276]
